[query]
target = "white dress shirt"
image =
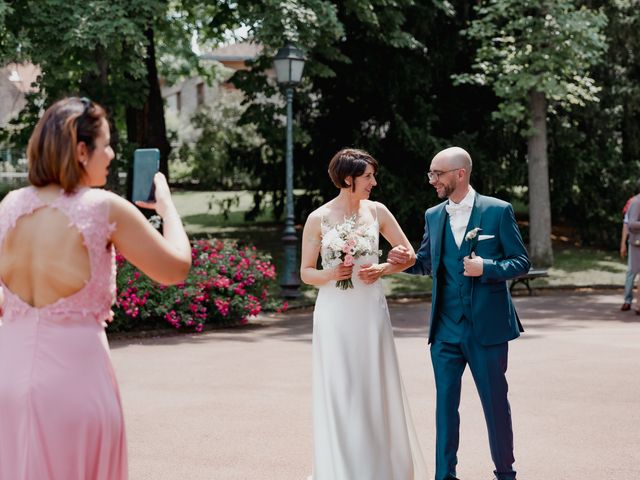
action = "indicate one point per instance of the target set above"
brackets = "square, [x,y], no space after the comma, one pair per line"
[459,214]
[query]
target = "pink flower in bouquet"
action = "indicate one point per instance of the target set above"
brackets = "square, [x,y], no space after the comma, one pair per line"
[351,242]
[346,248]
[348,260]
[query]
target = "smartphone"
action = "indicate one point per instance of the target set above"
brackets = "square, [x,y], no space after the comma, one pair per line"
[146,162]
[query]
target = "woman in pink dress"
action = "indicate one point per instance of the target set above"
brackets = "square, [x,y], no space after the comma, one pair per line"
[60,410]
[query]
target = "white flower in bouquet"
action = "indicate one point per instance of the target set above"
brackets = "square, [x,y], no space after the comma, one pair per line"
[345,243]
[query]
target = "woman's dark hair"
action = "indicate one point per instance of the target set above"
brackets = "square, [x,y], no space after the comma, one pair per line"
[52,146]
[350,162]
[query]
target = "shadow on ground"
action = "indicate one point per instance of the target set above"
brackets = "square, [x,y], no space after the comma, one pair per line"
[560,311]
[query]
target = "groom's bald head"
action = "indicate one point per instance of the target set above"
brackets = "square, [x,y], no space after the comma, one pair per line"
[450,172]
[454,157]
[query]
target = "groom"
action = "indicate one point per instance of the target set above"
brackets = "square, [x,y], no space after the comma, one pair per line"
[472,315]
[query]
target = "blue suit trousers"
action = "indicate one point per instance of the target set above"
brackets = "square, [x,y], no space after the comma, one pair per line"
[488,366]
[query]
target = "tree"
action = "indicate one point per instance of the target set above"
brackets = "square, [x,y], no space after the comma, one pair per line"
[211,147]
[97,52]
[5,36]
[112,52]
[536,56]
[378,77]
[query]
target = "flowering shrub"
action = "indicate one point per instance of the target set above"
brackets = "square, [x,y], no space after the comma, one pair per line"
[227,284]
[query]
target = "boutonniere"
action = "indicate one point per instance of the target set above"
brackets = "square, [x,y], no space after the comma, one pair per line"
[472,238]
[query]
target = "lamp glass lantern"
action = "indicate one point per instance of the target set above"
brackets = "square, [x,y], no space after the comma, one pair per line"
[289,64]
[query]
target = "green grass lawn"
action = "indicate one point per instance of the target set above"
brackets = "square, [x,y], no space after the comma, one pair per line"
[203,217]
[585,267]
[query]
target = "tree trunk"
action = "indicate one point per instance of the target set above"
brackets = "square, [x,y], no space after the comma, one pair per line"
[630,133]
[145,126]
[95,84]
[540,248]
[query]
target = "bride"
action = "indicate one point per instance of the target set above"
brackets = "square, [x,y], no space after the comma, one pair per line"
[362,426]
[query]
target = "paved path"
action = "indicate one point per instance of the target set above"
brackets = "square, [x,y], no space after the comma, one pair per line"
[235,404]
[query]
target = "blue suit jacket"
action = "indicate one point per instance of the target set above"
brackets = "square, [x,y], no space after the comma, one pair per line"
[494,317]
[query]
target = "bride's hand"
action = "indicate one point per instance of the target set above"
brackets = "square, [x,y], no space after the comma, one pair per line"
[341,272]
[370,273]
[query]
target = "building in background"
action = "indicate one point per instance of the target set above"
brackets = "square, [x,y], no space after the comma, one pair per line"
[15,82]
[185,98]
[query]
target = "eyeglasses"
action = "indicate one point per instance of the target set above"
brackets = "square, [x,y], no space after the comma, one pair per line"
[433,176]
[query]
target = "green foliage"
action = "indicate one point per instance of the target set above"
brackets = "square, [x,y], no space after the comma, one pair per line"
[384,86]
[98,52]
[378,76]
[6,38]
[212,154]
[209,22]
[595,151]
[546,46]
[101,52]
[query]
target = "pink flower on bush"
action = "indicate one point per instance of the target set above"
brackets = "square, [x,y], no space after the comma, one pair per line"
[283,308]
[227,284]
[222,306]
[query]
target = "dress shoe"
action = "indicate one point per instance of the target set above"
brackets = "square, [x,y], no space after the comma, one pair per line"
[625,306]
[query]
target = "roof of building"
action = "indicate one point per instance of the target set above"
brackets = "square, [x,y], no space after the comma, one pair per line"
[234,52]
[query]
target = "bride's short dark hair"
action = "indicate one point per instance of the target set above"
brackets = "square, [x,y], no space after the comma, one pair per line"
[350,162]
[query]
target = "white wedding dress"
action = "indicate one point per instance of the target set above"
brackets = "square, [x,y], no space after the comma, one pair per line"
[362,427]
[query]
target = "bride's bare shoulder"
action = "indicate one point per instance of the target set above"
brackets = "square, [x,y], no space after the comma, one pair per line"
[320,213]
[376,208]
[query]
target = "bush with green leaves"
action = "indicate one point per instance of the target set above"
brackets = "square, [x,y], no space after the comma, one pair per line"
[227,285]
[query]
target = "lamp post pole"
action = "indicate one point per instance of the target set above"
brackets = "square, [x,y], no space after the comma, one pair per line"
[290,281]
[288,64]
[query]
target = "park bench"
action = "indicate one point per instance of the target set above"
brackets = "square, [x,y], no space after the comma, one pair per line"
[532,274]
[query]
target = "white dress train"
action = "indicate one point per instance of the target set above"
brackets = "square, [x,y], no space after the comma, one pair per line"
[362,426]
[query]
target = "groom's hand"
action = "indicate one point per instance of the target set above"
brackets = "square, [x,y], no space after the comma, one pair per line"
[473,266]
[399,255]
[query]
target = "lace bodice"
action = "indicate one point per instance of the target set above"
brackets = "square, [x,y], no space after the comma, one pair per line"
[88,210]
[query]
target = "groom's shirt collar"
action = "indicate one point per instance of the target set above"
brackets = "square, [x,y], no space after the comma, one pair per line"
[468,199]
[459,215]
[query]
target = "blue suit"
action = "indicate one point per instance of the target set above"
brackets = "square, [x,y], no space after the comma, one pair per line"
[472,319]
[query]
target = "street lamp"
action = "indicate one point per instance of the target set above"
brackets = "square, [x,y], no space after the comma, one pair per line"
[289,63]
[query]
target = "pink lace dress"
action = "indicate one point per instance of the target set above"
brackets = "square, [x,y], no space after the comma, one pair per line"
[60,410]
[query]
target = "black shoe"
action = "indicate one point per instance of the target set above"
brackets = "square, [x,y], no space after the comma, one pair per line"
[625,306]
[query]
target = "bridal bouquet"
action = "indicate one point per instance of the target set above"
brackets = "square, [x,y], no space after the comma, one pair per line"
[346,242]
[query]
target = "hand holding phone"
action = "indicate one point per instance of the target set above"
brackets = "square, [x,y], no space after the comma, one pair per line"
[163,202]
[146,163]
